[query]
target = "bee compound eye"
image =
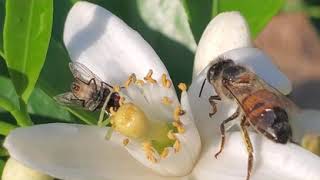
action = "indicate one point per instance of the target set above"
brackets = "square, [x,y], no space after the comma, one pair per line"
[75,87]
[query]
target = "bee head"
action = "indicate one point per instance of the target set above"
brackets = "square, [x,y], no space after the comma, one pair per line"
[281,125]
[215,70]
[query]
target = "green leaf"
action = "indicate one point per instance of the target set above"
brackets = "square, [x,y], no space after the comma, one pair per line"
[27,32]
[256,12]
[2,163]
[5,128]
[199,15]
[3,152]
[42,108]
[2,13]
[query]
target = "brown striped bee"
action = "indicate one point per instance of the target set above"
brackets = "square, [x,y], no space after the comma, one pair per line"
[259,105]
[88,91]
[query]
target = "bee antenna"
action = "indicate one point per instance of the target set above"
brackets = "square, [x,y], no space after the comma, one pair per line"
[204,82]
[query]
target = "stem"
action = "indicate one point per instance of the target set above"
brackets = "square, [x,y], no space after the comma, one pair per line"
[215,8]
[26,121]
[22,117]
[102,112]
[5,128]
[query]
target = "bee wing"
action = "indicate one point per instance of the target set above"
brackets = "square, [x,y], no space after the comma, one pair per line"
[287,103]
[81,72]
[68,99]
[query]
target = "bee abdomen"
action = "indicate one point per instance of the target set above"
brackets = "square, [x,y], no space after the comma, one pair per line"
[256,103]
[266,114]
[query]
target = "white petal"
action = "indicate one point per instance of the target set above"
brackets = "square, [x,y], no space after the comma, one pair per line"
[225,32]
[14,170]
[74,152]
[271,161]
[106,45]
[306,122]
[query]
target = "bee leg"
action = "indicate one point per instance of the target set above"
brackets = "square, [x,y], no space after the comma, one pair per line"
[223,132]
[212,101]
[249,147]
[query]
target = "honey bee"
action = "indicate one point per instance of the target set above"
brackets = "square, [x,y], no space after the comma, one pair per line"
[88,91]
[259,105]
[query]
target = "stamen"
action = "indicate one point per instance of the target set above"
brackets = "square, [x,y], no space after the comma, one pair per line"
[166,100]
[171,135]
[182,86]
[116,88]
[177,146]
[125,141]
[149,78]
[179,126]
[132,79]
[177,113]
[165,82]
[148,149]
[164,153]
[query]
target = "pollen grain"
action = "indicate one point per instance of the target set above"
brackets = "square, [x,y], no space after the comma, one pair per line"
[165,153]
[182,86]
[166,100]
[132,79]
[149,151]
[177,146]
[165,82]
[125,142]
[116,88]
[149,78]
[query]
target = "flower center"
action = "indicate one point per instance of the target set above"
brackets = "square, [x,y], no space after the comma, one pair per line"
[150,115]
[132,122]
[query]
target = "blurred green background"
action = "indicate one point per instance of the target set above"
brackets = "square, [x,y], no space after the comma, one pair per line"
[32,73]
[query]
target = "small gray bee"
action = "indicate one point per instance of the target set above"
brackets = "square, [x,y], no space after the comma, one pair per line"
[88,91]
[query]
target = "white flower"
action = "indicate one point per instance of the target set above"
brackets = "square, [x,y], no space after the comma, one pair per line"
[112,50]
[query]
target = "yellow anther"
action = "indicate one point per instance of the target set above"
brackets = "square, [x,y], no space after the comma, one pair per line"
[171,135]
[165,82]
[164,153]
[166,100]
[176,123]
[179,126]
[177,146]
[152,158]
[132,79]
[125,141]
[182,86]
[181,129]
[140,82]
[149,78]
[112,112]
[116,88]
[121,100]
[177,113]
[148,149]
